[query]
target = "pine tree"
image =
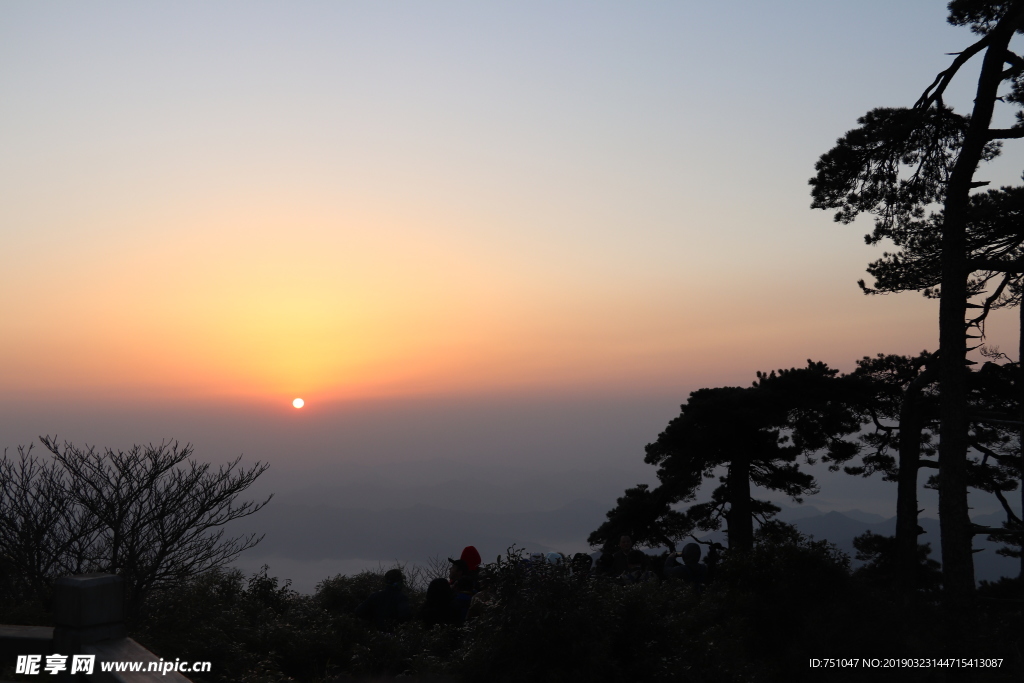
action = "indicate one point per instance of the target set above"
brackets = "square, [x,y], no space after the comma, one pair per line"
[901,165]
[759,435]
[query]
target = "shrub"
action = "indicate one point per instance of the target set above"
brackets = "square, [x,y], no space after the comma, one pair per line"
[255,630]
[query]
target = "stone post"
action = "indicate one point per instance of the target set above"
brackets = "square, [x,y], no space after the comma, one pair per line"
[87,608]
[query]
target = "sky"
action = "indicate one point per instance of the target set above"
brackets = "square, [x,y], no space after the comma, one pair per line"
[521,231]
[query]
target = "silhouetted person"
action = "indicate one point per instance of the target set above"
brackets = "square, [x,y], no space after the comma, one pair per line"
[692,570]
[439,606]
[386,608]
[465,567]
[471,557]
[581,563]
[714,556]
[636,572]
[464,590]
[620,557]
[457,571]
[613,560]
[555,558]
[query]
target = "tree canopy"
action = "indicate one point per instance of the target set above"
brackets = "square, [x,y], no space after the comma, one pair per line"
[758,435]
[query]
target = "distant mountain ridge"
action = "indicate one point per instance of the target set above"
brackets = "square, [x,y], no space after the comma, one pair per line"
[842,527]
[470,490]
[417,532]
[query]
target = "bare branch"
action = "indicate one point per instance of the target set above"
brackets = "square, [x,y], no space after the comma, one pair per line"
[1016,266]
[989,301]
[933,93]
[152,515]
[1005,133]
[1010,514]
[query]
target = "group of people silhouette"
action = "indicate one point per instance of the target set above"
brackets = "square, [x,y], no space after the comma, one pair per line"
[627,564]
[470,588]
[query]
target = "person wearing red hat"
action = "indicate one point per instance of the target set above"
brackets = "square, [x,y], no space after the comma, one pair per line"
[471,557]
[464,567]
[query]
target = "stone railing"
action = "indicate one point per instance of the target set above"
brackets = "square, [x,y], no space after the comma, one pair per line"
[88,611]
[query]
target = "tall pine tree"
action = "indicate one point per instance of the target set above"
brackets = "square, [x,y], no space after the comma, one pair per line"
[901,164]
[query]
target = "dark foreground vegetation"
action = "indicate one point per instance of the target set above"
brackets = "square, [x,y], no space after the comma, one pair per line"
[762,618]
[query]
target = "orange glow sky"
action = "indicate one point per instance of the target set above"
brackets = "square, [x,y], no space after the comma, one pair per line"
[339,201]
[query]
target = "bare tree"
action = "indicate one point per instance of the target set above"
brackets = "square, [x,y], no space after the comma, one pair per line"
[152,514]
[43,534]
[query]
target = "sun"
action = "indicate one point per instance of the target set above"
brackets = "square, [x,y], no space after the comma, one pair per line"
[298,403]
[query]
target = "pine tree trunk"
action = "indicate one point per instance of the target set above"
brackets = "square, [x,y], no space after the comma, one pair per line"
[911,426]
[739,517]
[1020,385]
[955,523]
